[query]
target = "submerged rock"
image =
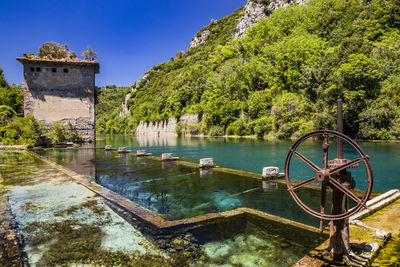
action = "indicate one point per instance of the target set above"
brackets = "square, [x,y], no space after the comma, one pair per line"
[217,250]
[255,241]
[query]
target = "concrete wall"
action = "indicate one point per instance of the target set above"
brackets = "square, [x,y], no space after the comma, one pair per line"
[66,94]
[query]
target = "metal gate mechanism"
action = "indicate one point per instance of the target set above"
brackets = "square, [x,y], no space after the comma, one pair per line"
[333,174]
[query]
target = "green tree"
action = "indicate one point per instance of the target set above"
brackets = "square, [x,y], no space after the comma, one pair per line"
[61,132]
[21,131]
[11,95]
[89,54]
[290,115]
[53,50]
[359,73]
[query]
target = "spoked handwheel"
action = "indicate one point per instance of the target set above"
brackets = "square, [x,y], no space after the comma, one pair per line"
[329,175]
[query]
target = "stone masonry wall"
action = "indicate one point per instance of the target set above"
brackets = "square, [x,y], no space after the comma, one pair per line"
[61,93]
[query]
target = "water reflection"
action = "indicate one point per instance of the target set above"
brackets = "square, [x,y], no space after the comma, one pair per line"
[205,172]
[269,186]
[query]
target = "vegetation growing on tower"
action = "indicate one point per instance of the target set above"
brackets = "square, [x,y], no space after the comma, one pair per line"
[56,51]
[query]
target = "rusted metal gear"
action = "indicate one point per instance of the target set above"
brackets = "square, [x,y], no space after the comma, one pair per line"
[328,175]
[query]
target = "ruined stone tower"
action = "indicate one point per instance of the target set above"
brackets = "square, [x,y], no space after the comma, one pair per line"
[61,90]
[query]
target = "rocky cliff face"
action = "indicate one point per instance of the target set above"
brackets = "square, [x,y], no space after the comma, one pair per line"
[202,36]
[156,128]
[125,109]
[185,122]
[257,9]
[198,40]
[252,12]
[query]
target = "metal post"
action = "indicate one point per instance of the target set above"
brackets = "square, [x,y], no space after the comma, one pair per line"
[339,230]
[339,128]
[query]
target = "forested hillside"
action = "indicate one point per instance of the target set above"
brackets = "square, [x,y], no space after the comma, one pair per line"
[108,102]
[282,79]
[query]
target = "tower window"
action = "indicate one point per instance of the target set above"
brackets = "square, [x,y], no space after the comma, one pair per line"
[37,68]
[65,70]
[32,69]
[53,70]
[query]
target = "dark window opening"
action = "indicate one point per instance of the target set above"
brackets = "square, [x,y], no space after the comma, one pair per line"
[37,68]
[65,70]
[53,70]
[32,69]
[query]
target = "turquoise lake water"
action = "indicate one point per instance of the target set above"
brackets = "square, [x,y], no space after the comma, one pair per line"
[252,155]
[178,191]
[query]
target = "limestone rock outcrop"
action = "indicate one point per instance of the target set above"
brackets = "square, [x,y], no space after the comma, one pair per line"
[257,9]
[125,108]
[198,40]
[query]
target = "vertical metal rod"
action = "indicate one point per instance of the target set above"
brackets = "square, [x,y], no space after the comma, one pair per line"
[339,128]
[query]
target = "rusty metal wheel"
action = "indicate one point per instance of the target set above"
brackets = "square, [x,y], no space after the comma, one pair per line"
[327,174]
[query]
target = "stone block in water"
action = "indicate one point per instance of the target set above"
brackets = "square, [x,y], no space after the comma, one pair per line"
[108,147]
[270,172]
[123,150]
[168,156]
[207,162]
[142,153]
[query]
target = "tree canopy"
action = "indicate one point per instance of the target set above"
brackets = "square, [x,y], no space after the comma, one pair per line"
[53,50]
[89,54]
[284,77]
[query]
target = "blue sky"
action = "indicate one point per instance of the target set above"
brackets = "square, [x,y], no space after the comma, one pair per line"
[130,37]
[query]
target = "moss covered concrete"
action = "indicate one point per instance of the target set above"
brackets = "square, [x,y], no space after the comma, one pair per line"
[387,219]
[387,252]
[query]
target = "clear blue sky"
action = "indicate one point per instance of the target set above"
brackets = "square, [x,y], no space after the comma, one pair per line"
[130,37]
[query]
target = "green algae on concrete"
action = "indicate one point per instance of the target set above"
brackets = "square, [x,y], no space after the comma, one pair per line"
[85,231]
[81,244]
[387,219]
[362,239]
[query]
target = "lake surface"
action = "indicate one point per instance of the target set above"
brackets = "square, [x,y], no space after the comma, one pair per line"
[253,154]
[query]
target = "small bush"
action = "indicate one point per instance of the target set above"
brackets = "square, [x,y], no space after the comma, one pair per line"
[192,128]
[261,126]
[63,132]
[216,130]
[238,127]
[21,131]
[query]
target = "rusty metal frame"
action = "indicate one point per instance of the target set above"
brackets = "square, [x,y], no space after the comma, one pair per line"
[324,175]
